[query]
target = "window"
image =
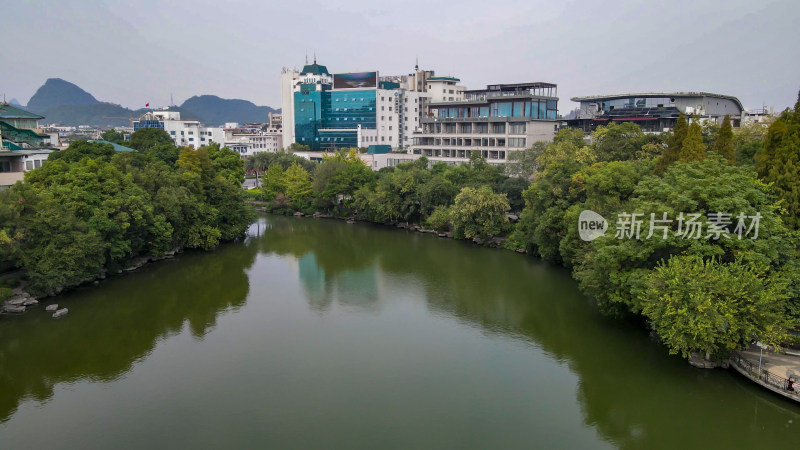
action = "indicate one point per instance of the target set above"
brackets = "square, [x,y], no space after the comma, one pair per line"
[5,166]
[516,142]
[516,128]
[382,108]
[390,127]
[28,165]
[498,128]
[451,91]
[37,163]
[172,133]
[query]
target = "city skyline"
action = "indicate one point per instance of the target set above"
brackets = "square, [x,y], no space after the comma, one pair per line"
[131,55]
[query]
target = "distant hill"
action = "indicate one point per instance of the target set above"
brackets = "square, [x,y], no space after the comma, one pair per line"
[103,115]
[57,92]
[64,103]
[215,111]
[14,102]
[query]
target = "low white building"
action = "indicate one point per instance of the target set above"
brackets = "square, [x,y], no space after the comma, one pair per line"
[247,142]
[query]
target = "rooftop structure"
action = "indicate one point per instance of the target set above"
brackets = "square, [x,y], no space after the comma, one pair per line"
[654,111]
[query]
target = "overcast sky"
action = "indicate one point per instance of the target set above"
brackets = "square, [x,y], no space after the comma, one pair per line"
[133,52]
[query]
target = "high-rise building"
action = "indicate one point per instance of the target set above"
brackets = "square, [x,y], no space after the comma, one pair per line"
[344,110]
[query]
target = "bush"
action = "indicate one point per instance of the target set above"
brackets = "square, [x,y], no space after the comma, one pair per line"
[5,293]
[439,219]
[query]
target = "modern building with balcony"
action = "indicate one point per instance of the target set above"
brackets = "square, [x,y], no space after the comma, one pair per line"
[491,122]
[655,112]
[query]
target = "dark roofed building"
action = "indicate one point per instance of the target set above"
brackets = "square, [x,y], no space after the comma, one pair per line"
[654,111]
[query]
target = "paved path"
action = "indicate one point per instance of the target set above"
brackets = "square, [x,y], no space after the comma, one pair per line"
[782,365]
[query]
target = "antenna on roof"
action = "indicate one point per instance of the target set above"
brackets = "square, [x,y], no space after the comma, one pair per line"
[416,66]
[306,56]
[315,56]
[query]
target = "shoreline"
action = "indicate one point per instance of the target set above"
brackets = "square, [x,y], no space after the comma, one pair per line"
[21,300]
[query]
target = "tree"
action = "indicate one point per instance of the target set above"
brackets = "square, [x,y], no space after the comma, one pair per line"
[747,142]
[340,176]
[298,186]
[295,147]
[226,163]
[674,144]
[522,163]
[274,182]
[513,187]
[112,136]
[711,307]
[778,163]
[723,144]
[614,270]
[83,149]
[693,148]
[166,152]
[145,138]
[618,142]
[195,167]
[479,212]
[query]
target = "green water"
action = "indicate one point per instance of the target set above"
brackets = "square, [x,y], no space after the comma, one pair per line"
[319,334]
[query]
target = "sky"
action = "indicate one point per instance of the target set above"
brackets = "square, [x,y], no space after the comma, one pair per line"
[135,52]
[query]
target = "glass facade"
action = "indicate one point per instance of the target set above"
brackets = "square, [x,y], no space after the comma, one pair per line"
[637,102]
[535,109]
[137,124]
[326,119]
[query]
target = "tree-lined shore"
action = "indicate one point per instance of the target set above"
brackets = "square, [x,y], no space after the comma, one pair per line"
[713,263]
[89,210]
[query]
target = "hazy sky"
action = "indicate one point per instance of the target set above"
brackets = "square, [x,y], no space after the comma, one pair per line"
[133,52]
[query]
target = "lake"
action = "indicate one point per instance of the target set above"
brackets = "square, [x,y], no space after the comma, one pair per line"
[320,334]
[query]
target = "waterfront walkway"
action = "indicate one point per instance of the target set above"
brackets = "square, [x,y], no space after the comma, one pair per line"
[776,369]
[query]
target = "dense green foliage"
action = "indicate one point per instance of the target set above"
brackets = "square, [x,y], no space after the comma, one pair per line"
[708,306]
[88,209]
[701,309]
[723,145]
[778,163]
[471,199]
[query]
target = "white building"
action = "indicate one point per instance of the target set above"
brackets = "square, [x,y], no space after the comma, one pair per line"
[247,142]
[183,132]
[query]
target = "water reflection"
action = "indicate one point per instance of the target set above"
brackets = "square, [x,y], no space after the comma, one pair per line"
[109,329]
[630,391]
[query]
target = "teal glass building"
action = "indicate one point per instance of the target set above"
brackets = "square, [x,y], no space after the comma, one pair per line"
[326,119]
